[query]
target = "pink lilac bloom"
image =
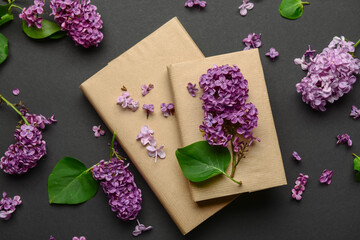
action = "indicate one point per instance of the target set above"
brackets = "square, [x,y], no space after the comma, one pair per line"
[192,89]
[98,131]
[194,3]
[16,91]
[252,41]
[272,53]
[299,187]
[32,14]
[167,109]
[8,206]
[155,152]
[80,20]
[355,112]
[119,185]
[245,6]
[344,138]
[125,101]
[52,238]
[296,156]
[79,238]
[149,109]
[330,74]
[146,89]
[140,228]
[146,136]
[326,176]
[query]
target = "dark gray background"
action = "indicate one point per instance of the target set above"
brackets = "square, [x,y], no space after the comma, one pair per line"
[49,73]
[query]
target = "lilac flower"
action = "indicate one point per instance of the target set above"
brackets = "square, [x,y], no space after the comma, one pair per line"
[8,206]
[193,3]
[167,109]
[16,91]
[98,131]
[146,89]
[355,112]
[32,14]
[245,6]
[119,185]
[330,74]
[140,228]
[133,105]
[192,89]
[149,109]
[299,187]
[79,238]
[39,121]
[296,156]
[80,19]
[272,53]
[326,176]
[344,138]
[146,136]
[127,102]
[52,238]
[155,152]
[252,41]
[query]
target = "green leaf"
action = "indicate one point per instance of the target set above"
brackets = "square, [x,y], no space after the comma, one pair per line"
[292,9]
[3,48]
[357,176]
[71,182]
[4,9]
[200,161]
[356,162]
[6,18]
[48,28]
[58,35]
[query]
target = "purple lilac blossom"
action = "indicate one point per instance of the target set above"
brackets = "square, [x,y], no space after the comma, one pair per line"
[149,109]
[119,185]
[296,156]
[8,206]
[146,89]
[252,41]
[80,19]
[140,228]
[98,131]
[330,74]
[155,152]
[224,104]
[272,53]
[16,92]
[146,136]
[355,112]
[194,3]
[326,176]
[245,6]
[52,238]
[32,14]
[167,109]
[125,101]
[344,138]
[299,187]
[79,238]
[192,89]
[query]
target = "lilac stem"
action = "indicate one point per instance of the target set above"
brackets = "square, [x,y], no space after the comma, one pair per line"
[357,43]
[15,109]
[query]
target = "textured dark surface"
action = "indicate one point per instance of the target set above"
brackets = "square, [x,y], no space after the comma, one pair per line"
[49,73]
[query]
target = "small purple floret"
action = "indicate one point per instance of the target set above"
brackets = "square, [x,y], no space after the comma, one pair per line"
[296,156]
[32,14]
[194,3]
[8,206]
[16,91]
[192,89]
[140,228]
[355,112]
[272,53]
[167,109]
[252,41]
[149,109]
[98,131]
[344,138]
[326,176]
[245,6]
[299,187]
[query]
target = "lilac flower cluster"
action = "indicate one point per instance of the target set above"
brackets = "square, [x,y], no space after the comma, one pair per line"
[299,187]
[330,73]
[8,206]
[192,89]
[146,89]
[119,185]
[245,6]
[344,138]
[140,228]
[194,3]
[167,109]
[32,14]
[355,112]
[80,19]
[326,176]
[252,41]
[296,156]
[226,111]
[146,137]
[127,102]
[148,109]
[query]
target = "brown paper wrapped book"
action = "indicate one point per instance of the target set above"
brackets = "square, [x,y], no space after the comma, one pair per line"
[263,167]
[146,63]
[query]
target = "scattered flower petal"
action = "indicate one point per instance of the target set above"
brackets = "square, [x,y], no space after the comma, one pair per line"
[296,156]
[167,109]
[355,112]
[245,6]
[272,53]
[252,41]
[194,3]
[155,152]
[149,109]
[79,238]
[299,187]
[98,131]
[140,228]
[146,136]
[8,206]
[326,176]
[146,89]
[192,89]
[16,91]
[344,138]
[125,101]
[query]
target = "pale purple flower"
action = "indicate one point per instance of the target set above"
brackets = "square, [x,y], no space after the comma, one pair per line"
[252,41]
[194,3]
[167,109]
[299,187]
[98,131]
[16,91]
[326,176]
[140,228]
[355,112]
[245,6]
[8,206]
[296,156]
[133,105]
[149,109]
[52,238]
[192,89]
[79,238]
[146,136]
[146,89]
[32,14]
[127,102]
[272,53]
[344,138]
[155,152]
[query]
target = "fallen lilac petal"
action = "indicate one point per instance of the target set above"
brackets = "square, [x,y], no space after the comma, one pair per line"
[296,156]
[16,91]
[326,176]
